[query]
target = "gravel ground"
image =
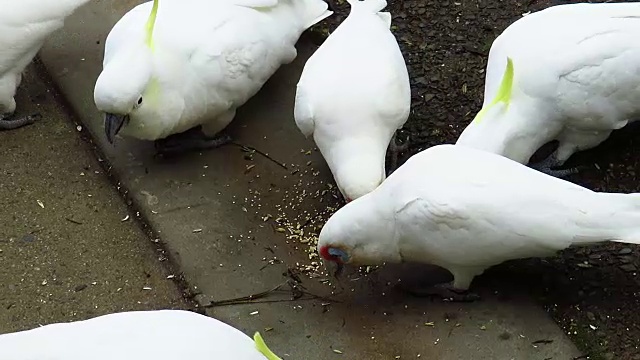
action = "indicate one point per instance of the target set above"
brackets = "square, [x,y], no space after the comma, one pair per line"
[592,293]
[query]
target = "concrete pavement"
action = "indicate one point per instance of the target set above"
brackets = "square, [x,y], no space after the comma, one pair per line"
[66,252]
[224,215]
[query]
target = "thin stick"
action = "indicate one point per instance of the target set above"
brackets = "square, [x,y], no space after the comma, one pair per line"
[244,298]
[295,291]
[250,148]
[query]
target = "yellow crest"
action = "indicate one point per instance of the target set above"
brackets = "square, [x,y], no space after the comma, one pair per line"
[151,22]
[504,92]
[263,348]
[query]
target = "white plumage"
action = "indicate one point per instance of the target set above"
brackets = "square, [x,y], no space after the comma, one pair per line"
[137,335]
[353,95]
[24,27]
[466,210]
[576,78]
[206,59]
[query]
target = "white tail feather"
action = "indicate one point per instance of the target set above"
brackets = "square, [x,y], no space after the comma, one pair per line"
[616,219]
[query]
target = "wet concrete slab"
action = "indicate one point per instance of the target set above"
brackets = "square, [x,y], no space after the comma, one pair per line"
[229,217]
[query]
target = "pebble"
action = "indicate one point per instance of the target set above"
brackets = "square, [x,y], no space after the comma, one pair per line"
[628,267]
[625,259]
[624,251]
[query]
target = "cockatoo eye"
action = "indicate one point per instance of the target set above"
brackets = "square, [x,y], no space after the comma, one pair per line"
[139,103]
[334,254]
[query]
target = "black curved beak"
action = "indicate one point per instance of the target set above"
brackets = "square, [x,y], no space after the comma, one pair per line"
[113,124]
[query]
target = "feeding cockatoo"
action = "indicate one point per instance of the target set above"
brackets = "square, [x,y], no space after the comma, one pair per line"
[569,73]
[465,210]
[353,95]
[24,27]
[136,335]
[175,65]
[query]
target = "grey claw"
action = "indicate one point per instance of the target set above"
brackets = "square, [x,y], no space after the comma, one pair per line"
[7,124]
[189,141]
[559,173]
[546,166]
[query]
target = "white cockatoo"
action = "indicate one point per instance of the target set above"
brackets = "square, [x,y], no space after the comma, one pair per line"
[177,65]
[465,210]
[136,335]
[353,95]
[569,73]
[24,27]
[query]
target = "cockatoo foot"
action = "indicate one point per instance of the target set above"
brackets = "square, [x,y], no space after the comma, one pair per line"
[447,292]
[546,166]
[190,140]
[11,124]
[559,173]
[395,150]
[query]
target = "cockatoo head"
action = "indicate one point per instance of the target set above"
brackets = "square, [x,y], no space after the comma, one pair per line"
[357,185]
[360,233]
[126,81]
[359,170]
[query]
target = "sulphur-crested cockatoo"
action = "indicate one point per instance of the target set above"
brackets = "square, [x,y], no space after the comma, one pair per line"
[177,65]
[568,73]
[24,27]
[353,95]
[466,210]
[137,335]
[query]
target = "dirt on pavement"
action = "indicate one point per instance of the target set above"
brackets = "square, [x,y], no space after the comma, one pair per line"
[592,293]
[70,248]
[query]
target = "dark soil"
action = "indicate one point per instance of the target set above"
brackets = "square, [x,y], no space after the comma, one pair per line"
[592,293]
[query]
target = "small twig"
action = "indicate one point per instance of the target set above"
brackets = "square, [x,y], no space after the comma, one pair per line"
[73,221]
[543,341]
[183,207]
[240,302]
[250,148]
[296,292]
[244,299]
